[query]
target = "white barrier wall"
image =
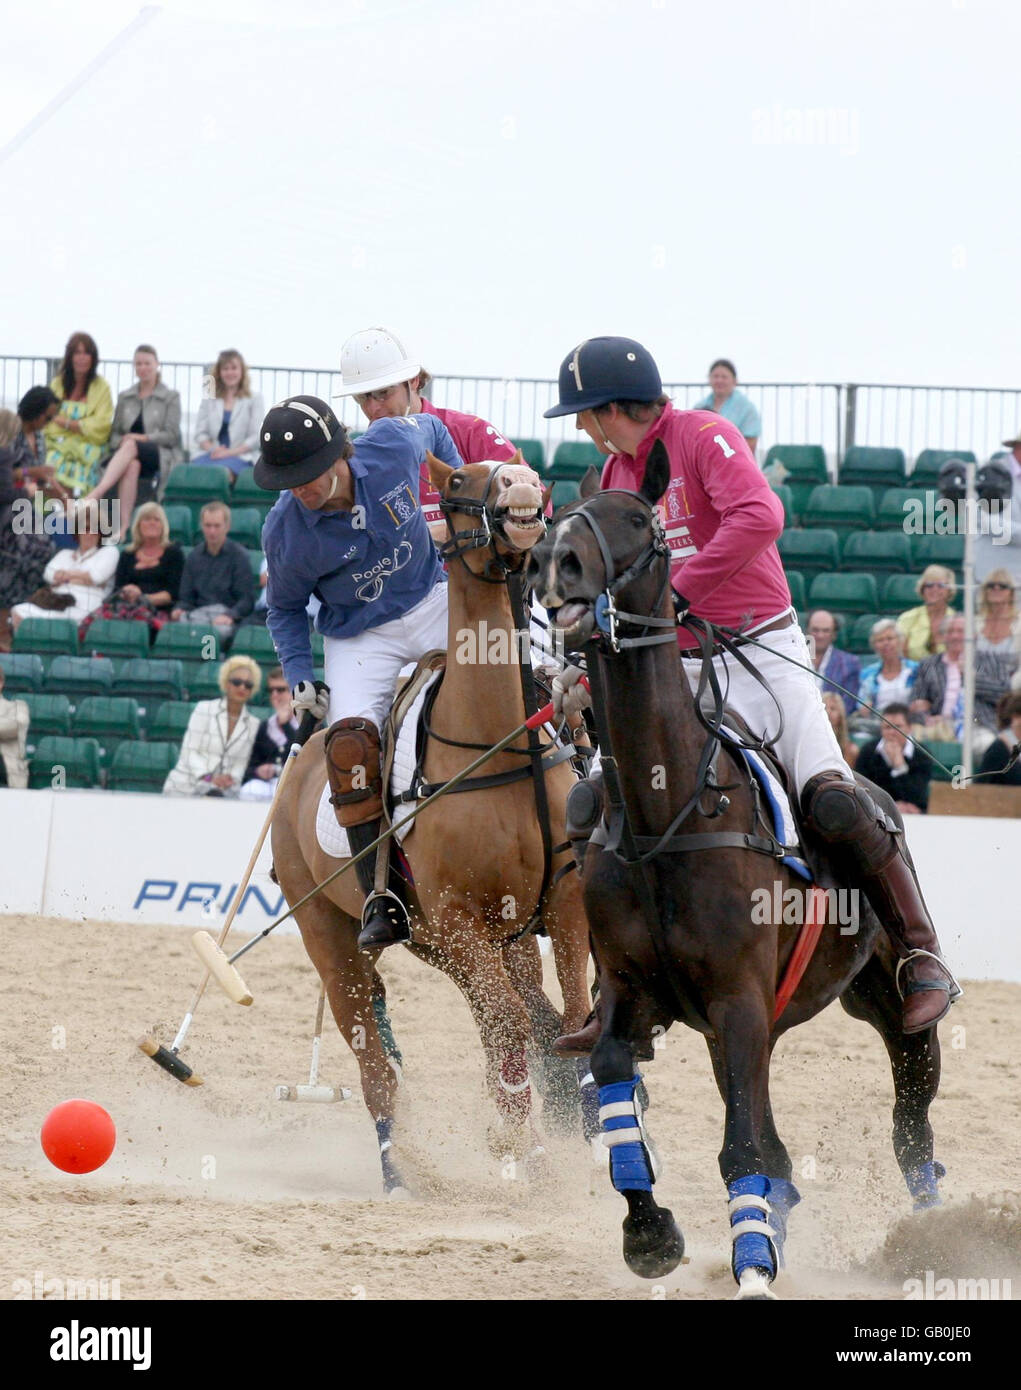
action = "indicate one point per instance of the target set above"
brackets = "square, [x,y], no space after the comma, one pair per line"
[122,857]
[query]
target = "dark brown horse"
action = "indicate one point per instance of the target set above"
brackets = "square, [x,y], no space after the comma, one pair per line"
[675,934]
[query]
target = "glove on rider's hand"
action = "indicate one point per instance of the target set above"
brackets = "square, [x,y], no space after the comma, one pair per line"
[311,697]
[570,697]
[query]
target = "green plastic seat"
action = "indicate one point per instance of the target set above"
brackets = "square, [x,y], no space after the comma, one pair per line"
[925,473]
[150,680]
[533,451]
[811,552]
[179,519]
[47,637]
[800,493]
[67,762]
[787,499]
[897,506]
[841,508]
[798,588]
[80,676]
[573,459]
[195,485]
[255,559]
[248,493]
[948,753]
[142,767]
[47,714]
[256,642]
[191,643]
[564,493]
[117,638]
[805,463]
[938,550]
[857,633]
[170,721]
[844,593]
[882,552]
[899,594]
[245,527]
[109,719]
[23,672]
[878,469]
[203,681]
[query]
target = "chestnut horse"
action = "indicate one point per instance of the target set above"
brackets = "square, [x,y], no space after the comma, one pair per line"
[477,856]
[674,928]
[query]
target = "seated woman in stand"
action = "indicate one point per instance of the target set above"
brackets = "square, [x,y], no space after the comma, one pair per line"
[272,742]
[77,436]
[218,740]
[148,575]
[146,435]
[227,425]
[75,582]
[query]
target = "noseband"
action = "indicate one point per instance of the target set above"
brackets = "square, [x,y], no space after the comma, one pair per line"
[607,615]
[498,567]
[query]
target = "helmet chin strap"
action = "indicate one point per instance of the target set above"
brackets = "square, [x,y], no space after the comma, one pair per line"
[333,486]
[613,448]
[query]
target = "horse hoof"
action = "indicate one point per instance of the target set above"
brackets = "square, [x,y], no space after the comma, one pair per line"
[398,1194]
[754,1286]
[653,1246]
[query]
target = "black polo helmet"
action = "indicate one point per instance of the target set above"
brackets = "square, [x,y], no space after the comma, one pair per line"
[600,370]
[301,438]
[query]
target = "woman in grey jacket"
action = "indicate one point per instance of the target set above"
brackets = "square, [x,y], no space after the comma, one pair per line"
[227,425]
[146,435]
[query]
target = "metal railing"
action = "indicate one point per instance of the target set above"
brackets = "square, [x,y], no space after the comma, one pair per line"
[835,415]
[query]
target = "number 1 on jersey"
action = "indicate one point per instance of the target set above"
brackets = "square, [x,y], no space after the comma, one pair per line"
[728,452]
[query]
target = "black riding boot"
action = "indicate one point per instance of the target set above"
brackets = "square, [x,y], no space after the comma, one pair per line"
[385,919]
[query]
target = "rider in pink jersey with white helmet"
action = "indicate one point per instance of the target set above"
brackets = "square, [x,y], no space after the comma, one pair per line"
[722,522]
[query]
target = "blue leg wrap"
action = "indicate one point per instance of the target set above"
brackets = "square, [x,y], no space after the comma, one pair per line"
[783,1196]
[589,1098]
[753,1247]
[623,1133]
[923,1184]
[391,1177]
[386,1032]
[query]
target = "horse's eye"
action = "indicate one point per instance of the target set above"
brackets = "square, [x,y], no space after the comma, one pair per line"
[456,480]
[637,520]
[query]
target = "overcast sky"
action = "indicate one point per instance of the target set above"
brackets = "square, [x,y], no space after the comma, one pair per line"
[821,191]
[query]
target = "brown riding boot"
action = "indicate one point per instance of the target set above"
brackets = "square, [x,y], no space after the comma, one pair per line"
[353,765]
[843,813]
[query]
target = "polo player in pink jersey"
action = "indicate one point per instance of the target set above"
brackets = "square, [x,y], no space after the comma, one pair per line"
[386,379]
[722,522]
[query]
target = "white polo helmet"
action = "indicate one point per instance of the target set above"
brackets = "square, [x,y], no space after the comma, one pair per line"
[373,359]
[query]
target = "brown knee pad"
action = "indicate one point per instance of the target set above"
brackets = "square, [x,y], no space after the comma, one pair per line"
[843,813]
[353,764]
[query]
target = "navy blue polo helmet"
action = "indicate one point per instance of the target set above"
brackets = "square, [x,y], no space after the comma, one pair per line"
[601,370]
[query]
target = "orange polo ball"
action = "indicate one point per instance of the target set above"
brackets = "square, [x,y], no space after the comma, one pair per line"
[78,1136]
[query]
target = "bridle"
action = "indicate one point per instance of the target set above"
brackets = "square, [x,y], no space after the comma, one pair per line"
[493,529]
[607,615]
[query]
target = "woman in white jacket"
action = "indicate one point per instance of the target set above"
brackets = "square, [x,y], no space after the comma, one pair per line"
[227,425]
[219,737]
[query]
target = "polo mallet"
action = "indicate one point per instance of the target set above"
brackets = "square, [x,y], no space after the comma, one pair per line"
[313,1091]
[209,950]
[541,716]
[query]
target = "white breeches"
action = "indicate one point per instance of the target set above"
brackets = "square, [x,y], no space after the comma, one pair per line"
[362,671]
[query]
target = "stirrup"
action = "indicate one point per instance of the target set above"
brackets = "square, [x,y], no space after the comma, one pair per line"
[385,922]
[951,986]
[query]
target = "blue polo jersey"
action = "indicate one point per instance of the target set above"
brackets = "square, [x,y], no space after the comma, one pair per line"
[366,566]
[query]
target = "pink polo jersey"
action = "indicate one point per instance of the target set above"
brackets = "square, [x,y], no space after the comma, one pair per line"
[721,519]
[476,442]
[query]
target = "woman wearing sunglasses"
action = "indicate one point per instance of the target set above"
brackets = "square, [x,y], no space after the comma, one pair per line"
[219,737]
[275,736]
[999,623]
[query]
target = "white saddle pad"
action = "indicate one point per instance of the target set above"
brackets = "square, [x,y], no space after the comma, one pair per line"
[332,837]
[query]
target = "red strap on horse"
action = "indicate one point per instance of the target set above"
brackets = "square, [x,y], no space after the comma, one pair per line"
[804,949]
